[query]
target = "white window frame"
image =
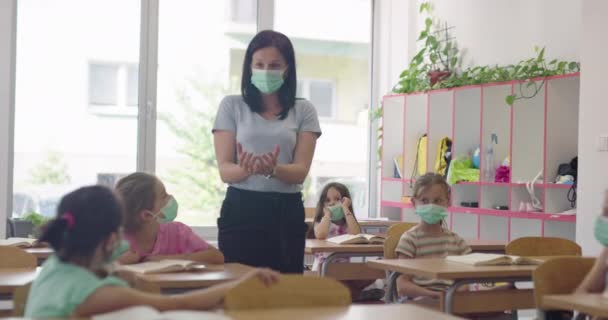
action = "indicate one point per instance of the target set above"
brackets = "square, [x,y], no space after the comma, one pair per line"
[121,108]
[146,110]
[306,82]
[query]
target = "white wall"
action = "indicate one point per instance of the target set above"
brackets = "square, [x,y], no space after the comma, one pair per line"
[593,121]
[506,31]
[7,73]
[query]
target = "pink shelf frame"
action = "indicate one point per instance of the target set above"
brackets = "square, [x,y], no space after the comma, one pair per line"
[481,211]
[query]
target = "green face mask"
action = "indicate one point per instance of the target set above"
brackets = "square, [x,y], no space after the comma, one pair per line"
[169,211]
[267,81]
[601,230]
[336,212]
[122,247]
[431,213]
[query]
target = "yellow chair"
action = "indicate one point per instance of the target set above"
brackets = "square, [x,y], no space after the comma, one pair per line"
[291,291]
[543,246]
[393,235]
[560,275]
[19,300]
[13,257]
[309,213]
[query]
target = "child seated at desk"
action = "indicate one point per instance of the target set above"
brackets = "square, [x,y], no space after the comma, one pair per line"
[335,216]
[429,239]
[149,225]
[86,237]
[595,281]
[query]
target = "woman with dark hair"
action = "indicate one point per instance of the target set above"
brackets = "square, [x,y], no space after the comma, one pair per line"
[264,144]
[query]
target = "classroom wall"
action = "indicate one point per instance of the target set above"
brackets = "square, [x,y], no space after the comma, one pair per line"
[593,121]
[506,31]
[7,73]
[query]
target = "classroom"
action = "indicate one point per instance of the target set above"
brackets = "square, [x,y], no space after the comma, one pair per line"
[318,159]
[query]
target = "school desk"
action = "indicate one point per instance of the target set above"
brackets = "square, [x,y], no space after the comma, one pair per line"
[592,304]
[367,226]
[190,280]
[353,312]
[41,253]
[337,251]
[11,279]
[345,271]
[463,274]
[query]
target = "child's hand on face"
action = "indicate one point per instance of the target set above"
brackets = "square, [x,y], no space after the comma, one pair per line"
[326,212]
[346,202]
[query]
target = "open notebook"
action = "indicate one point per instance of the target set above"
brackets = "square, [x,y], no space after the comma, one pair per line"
[149,313]
[163,266]
[357,239]
[19,242]
[490,259]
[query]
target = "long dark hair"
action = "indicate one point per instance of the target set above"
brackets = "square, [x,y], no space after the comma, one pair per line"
[287,92]
[342,189]
[85,218]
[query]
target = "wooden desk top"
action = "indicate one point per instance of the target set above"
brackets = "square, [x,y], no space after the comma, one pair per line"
[439,268]
[366,223]
[353,312]
[11,279]
[40,253]
[195,279]
[592,304]
[479,245]
[315,246]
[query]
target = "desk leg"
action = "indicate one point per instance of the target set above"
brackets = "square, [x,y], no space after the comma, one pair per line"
[391,295]
[449,295]
[337,255]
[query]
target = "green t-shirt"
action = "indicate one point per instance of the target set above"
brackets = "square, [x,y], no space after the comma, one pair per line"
[61,287]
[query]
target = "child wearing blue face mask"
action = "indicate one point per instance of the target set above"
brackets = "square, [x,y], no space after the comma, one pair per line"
[149,225]
[595,281]
[429,239]
[86,237]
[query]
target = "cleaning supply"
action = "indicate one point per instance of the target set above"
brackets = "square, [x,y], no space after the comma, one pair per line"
[488,169]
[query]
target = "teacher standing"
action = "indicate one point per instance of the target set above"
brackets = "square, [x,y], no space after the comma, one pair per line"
[264,144]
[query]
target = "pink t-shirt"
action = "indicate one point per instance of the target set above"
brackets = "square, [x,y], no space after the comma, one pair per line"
[172,238]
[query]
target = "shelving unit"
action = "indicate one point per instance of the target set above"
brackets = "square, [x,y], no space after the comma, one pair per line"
[537,134]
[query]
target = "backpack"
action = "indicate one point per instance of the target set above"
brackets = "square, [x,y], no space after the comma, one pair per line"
[421,154]
[444,156]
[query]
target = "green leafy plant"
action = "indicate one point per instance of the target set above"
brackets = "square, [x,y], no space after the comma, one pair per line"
[36,219]
[441,54]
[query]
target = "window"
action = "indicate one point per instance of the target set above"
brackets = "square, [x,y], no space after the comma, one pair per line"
[321,93]
[243,11]
[103,84]
[197,72]
[113,84]
[332,55]
[59,146]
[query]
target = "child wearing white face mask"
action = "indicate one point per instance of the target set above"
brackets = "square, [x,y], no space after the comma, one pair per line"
[149,225]
[429,239]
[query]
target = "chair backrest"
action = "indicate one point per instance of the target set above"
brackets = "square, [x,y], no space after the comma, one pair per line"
[290,292]
[543,246]
[309,212]
[20,299]
[560,275]
[13,257]
[392,238]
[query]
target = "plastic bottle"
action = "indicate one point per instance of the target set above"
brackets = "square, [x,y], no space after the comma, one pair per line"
[489,170]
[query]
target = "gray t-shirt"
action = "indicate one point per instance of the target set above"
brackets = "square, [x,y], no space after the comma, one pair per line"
[259,136]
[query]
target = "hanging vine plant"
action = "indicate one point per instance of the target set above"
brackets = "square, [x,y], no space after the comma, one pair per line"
[436,66]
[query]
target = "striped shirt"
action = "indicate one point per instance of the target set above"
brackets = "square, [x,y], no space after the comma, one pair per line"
[419,244]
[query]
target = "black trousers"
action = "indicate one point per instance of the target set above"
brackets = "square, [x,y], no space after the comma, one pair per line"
[263,229]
